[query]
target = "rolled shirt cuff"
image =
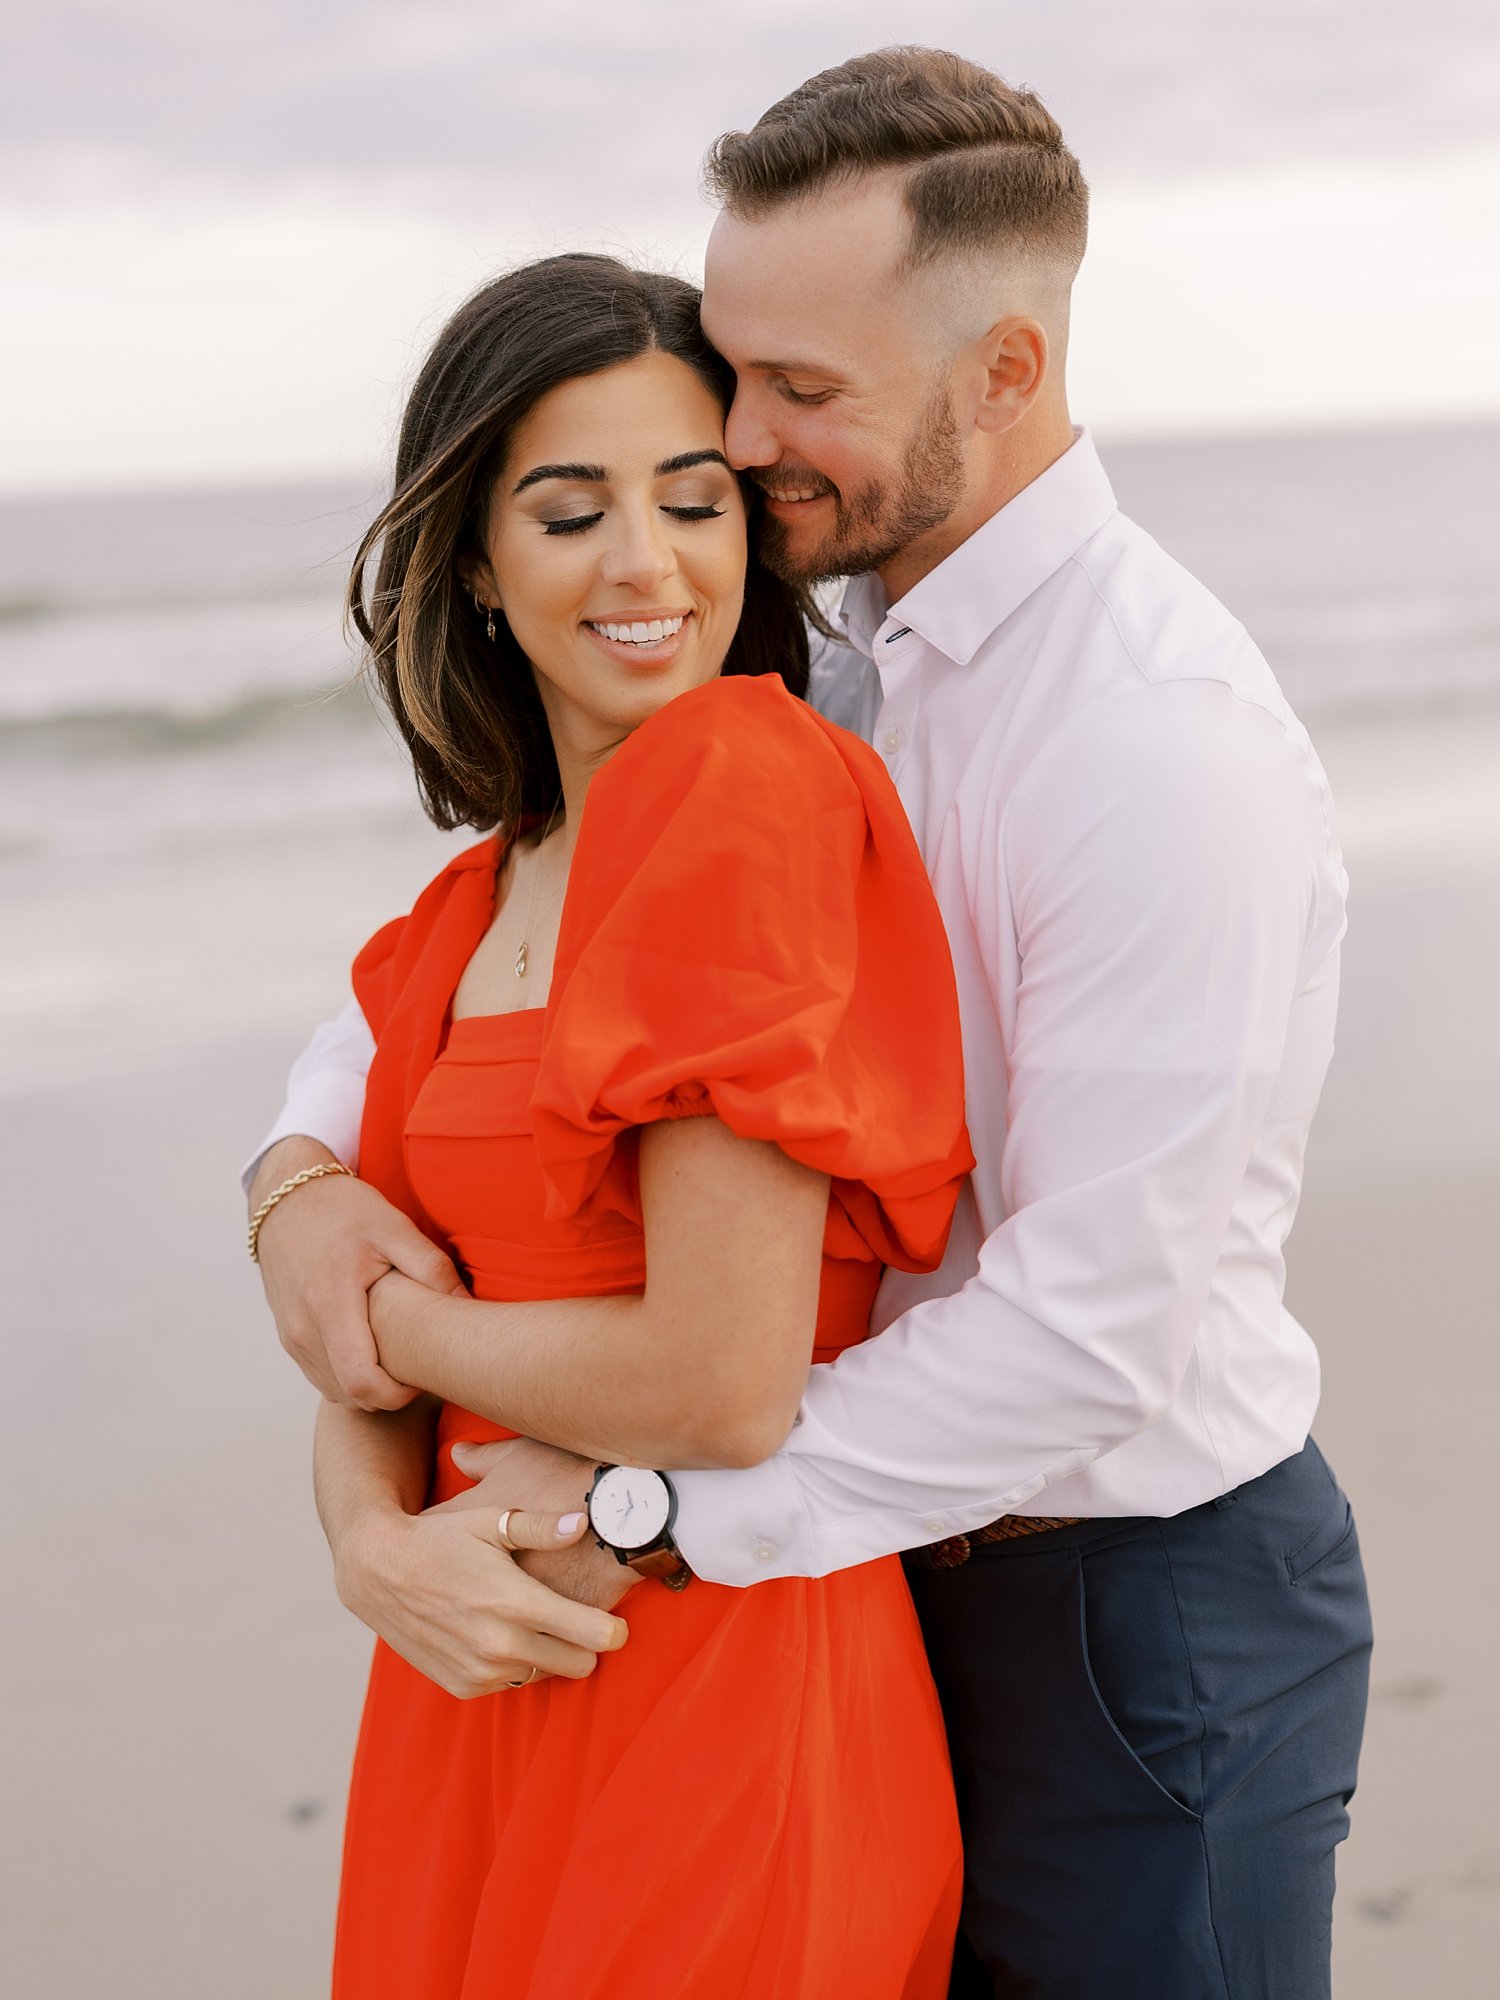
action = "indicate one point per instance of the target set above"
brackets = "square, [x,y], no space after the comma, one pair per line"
[328,1109]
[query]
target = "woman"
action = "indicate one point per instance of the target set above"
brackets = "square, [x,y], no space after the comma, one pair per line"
[678,1045]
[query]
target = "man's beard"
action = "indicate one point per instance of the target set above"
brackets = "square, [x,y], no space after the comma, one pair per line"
[874,525]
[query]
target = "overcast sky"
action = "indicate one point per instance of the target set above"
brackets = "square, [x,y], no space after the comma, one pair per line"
[227,229]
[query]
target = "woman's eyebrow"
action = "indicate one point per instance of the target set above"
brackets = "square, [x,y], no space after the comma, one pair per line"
[588,475]
[686,460]
[598,475]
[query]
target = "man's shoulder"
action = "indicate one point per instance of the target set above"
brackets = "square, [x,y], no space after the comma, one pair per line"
[1142,620]
[1146,689]
[1164,616]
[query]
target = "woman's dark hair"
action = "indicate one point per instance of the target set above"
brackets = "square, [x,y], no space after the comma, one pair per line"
[468,709]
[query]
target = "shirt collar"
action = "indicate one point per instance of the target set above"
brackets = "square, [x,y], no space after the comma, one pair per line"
[971,593]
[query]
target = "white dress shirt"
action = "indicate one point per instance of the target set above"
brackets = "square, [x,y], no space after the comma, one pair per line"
[1131,841]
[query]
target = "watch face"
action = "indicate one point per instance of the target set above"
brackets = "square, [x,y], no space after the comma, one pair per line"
[629,1507]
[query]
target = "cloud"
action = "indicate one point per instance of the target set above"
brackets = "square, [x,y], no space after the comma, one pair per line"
[229,230]
[460,98]
[1307,296]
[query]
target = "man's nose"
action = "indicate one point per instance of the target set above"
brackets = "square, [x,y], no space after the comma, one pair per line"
[748,438]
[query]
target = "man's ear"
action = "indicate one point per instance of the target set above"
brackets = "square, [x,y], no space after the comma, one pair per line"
[1014,356]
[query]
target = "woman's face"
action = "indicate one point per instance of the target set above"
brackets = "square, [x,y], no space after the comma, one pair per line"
[617,546]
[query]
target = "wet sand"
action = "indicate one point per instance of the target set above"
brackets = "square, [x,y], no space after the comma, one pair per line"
[182,1687]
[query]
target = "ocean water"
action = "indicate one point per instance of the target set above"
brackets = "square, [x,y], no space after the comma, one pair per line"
[173,664]
[202,813]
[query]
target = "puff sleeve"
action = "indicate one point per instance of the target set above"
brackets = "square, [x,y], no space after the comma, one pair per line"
[749,932]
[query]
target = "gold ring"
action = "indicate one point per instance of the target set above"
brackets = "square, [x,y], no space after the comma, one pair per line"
[528,1680]
[502,1529]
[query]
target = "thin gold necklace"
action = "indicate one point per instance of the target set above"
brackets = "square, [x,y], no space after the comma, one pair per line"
[524,954]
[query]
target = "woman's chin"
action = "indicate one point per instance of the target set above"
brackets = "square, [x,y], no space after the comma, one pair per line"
[623,700]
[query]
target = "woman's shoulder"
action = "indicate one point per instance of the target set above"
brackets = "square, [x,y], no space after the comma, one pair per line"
[382,957]
[480,855]
[760,703]
[744,897]
[737,739]
[457,869]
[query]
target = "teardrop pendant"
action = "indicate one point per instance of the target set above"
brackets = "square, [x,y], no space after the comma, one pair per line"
[521,960]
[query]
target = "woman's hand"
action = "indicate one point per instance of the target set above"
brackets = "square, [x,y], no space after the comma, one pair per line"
[520,1469]
[439,1589]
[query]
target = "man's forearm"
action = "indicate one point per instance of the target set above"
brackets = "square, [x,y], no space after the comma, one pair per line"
[367,1463]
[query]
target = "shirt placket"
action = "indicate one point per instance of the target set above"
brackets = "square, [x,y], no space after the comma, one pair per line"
[897,651]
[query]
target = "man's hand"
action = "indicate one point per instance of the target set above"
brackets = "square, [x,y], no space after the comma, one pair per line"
[321,1249]
[441,1592]
[546,1483]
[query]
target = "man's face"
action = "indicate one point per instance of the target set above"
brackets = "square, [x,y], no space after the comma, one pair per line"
[844,411]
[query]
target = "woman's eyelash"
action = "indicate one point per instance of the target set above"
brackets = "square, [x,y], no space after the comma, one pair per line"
[576,523]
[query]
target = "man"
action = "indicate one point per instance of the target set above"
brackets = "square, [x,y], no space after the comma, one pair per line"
[1139,1583]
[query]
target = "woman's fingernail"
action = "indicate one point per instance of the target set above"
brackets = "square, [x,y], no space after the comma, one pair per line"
[569,1524]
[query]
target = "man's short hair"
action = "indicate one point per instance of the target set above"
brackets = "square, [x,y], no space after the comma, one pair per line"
[989,168]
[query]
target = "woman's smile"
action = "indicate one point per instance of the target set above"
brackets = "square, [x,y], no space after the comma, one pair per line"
[645,638]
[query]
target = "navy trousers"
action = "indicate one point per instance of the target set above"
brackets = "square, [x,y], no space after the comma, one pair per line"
[1155,1726]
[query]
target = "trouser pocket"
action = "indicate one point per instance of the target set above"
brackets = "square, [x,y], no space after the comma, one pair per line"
[1135,1658]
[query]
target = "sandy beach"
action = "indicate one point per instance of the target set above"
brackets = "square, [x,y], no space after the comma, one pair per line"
[182,1686]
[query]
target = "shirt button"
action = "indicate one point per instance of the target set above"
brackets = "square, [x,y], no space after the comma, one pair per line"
[935,1527]
[763,1552]
[891,742]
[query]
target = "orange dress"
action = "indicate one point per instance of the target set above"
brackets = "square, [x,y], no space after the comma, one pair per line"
[753,1798]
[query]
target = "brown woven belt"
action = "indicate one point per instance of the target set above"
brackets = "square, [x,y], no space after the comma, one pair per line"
[955,1550]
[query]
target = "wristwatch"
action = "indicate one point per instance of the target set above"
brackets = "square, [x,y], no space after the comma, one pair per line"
[631,1511]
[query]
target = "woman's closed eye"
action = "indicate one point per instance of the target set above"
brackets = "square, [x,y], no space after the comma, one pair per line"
[574,524]
[571,524]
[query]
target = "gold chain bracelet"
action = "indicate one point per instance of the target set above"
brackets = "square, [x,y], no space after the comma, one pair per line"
[252,1242]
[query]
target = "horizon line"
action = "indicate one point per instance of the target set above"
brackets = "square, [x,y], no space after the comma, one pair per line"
[372,478]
